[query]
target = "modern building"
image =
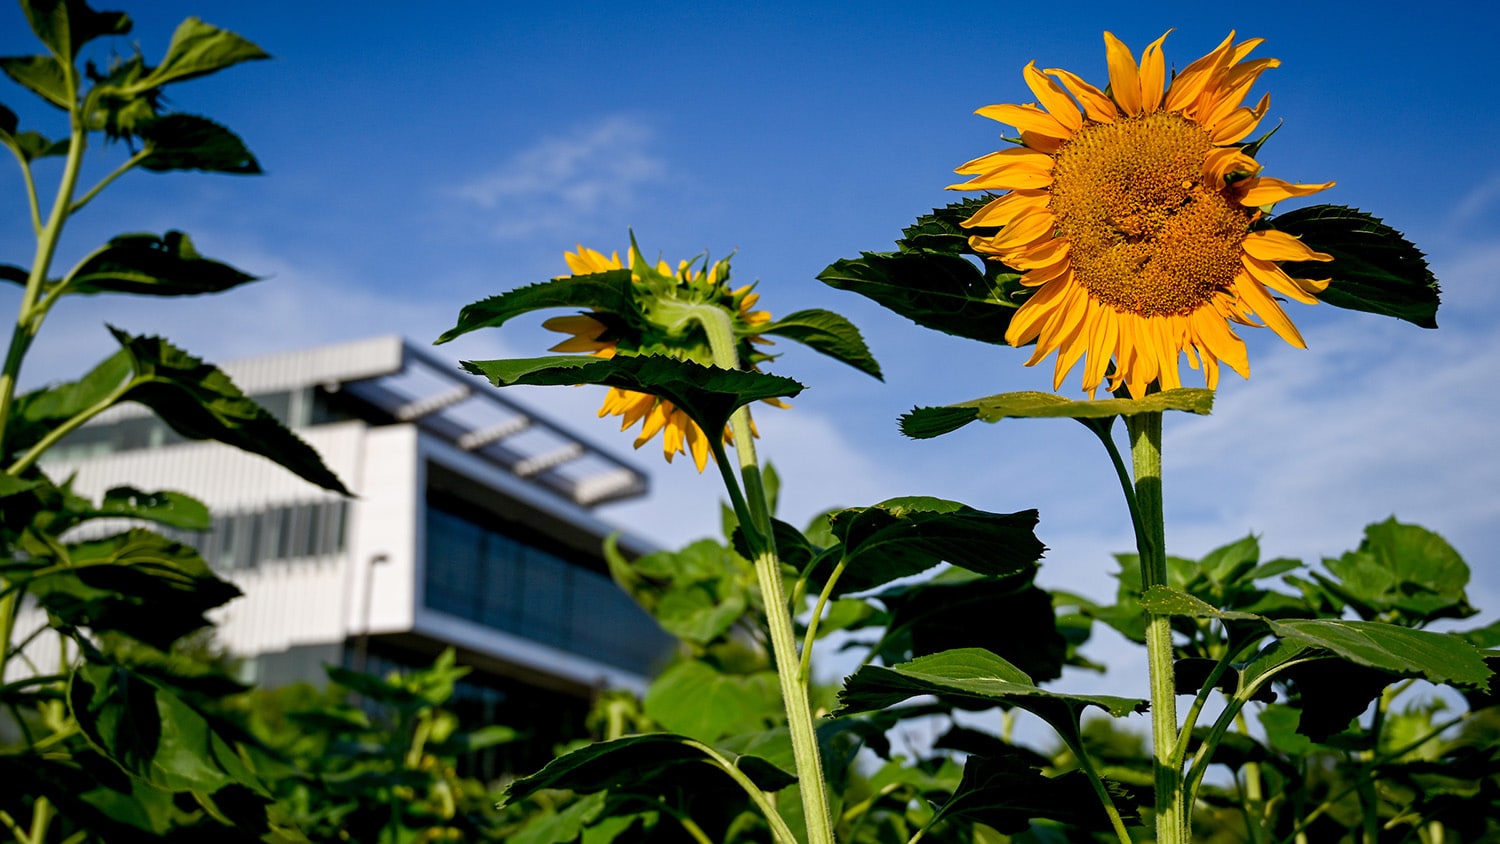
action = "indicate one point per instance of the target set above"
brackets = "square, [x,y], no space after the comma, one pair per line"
[472,527]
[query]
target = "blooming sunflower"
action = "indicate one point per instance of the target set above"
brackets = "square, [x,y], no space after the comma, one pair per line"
[602,334]
[1134,214]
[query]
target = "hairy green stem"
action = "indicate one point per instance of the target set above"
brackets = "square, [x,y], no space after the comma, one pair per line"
[1086,764]
[779,830]
[817,617]
[789,667]
[1172,821]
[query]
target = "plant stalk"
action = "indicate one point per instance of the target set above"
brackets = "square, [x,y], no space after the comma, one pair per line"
[809,763]
[1173,824]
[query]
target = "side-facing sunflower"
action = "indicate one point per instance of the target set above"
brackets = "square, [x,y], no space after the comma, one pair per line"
[603,335]
[1134,215]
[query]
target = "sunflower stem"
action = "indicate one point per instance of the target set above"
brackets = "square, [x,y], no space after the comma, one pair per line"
[1173,824]
[757,528]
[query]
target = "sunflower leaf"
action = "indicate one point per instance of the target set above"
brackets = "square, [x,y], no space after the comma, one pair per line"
[707,394]
[937,290]
[187,142]
[607,291]
[1375,268]
[200,402]
[829,333]
[905,536]
[926,422]
[145,264]
[1439,657]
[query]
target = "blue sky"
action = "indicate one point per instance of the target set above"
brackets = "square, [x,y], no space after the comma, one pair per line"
[422,156]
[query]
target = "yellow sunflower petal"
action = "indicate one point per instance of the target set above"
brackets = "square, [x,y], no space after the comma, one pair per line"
[1153,74]
[1194,78]
[1266,308]
[1265,190]
[1053,98]
[1005,209]
[1272,245]
[1027,118]
[1097,105]
[1124,77]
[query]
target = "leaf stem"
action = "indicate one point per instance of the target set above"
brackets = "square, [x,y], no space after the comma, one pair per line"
[816,617]
[105,182]
[779,830]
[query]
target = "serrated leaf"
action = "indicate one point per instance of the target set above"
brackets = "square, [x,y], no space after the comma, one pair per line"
[66,25]
[695,700]
[165,507]
[608,291]
[1439,657]
[1374,269]
[707,394]
[975,675]
[38,412]
[925,422]
[829,333]
[1401,571]
[138,583]
[152,732]
[1164,600]
[147,264]
[634,761]
[198,49]
[943,229]
[936,290]
[905,536]
[188,142]
[41,75]
[1009,617]
[199,402]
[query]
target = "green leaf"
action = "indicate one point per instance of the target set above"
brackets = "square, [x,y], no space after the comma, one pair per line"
[41,75]
[186,142]
[707,394]
[152,732]
[926,422]
[138,583]
[943,229]
[173,509]
[1439,657]
[1007,794]
[693,699]
[829,333]
[935,290]
[38,412]
[636,762]
[66,25]
[1374,269]
[970,674]
[905,536]
[1164,600]
[145,264]
[608,291]
[696,594]
[198,49]
[200,402]
[558,827]
[1009,617]
[1401,572]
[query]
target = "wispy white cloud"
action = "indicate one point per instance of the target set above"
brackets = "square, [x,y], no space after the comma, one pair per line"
[1480,197]
[563,180]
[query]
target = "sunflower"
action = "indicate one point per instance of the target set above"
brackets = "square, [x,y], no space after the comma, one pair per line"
[601,335]
[1134,215]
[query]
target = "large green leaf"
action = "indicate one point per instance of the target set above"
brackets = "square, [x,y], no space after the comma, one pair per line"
[637,763]
[200,402]
[1403,573]
[707,394]
[66,25]
[1439,657]
[151,731]
[926,422]
[36,413]
[945,292]
[1374,269]
[1009,617]
[607,291]
[975,675]
[198,49]
[943,229]
[829,333]
[138,583]
[694,699]
[904,536]
[165,507]
[145,264]
[1007,794]
[696,594]
[41,75]
[187,142]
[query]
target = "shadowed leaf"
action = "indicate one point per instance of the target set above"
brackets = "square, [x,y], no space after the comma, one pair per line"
[926,422]
[1374,269]
[607,291]
[187,142]
[829,333]
[145,264]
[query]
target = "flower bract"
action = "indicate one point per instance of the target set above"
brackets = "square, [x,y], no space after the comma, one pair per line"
[658,326]
[1137,217]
